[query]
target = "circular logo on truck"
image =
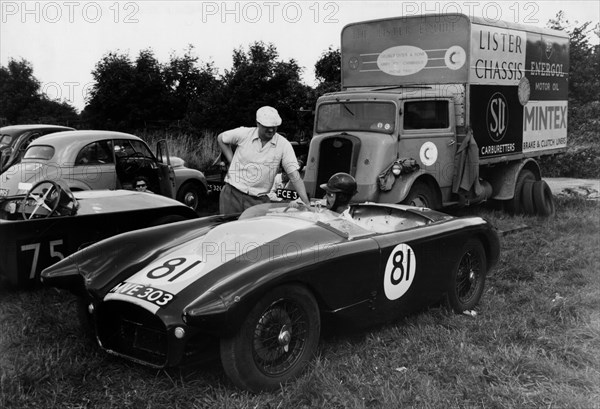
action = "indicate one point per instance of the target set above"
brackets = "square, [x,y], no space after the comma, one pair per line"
[497,117]
[455,57]
[402,60]
[428,153]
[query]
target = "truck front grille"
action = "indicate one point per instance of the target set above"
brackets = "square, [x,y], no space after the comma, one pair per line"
[337,154]
[133,332]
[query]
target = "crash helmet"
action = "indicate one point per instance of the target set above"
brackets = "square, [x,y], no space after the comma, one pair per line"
[341,183]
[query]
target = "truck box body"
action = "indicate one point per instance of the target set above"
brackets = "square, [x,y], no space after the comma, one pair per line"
[506,82]
[518,72]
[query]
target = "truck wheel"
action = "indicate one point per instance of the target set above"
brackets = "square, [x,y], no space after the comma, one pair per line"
[527,197]
[467,280]
[542,199]
[191,195]
[515,205]
[421,196]
[275,342]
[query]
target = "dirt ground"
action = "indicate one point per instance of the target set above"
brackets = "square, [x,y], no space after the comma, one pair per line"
[588,188]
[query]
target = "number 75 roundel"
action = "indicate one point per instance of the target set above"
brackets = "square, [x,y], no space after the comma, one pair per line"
[399,271]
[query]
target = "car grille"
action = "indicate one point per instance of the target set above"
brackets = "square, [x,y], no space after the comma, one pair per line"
[133,332]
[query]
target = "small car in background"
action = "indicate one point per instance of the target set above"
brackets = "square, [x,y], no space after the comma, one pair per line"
[256,288]
[15,139]
[91,160]
[50,222]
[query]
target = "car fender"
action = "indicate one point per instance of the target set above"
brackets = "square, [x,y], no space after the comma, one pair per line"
[184,174]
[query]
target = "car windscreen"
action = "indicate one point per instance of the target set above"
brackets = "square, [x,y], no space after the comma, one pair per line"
[41,152]
[368,116]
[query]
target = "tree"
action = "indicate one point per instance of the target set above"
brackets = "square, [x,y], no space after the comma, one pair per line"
[258,78]
[110,98]
[192,87]
[328,67]
[584,60]
[22,102]
[129,95]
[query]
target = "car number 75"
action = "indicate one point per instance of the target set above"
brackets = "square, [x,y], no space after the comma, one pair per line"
[36,247]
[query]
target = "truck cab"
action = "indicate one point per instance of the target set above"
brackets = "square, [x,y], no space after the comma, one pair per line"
[365,132]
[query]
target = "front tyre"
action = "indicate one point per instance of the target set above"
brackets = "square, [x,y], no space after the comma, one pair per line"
[191,194]
[275,342]
[420,195]
[467,279]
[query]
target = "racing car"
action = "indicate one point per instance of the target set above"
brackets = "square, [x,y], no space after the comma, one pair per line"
[259,286]
[50,222]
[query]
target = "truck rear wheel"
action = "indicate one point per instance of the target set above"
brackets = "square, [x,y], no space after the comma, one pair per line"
[527,197]
[542,199]
[516,205]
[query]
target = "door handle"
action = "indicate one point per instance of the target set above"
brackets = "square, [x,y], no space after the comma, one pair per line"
[452,142]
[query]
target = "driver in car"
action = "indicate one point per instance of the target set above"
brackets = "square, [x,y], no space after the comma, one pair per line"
[339,191]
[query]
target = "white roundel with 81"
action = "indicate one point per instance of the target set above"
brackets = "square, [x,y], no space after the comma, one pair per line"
[399,271]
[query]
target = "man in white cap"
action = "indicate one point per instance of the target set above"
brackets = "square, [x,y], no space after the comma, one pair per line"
[259,154]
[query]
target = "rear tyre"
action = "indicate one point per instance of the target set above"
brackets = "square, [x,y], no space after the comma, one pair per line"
[191,195]
[542,199]
[467,279]
[420,195]
[527,197]
[275,342]
[515,205]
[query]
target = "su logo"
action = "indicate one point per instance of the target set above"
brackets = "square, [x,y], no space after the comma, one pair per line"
[497,117]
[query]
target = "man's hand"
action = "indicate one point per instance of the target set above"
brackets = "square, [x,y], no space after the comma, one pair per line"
[298,204]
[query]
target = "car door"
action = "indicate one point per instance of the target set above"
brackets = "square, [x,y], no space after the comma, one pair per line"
[94,165]
[415,265]
[165,169]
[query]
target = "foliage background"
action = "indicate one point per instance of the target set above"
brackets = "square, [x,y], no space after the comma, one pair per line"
[185,99]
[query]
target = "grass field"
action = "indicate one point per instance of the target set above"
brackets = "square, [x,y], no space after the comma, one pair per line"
[534,343]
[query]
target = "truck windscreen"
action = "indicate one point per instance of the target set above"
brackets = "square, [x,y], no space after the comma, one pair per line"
[365,116]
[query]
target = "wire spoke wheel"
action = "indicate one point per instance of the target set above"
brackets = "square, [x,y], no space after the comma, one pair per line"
[279,337]
[466,282]
[469,274]
[276,340]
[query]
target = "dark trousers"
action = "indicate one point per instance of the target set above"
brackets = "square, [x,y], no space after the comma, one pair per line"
[232,200]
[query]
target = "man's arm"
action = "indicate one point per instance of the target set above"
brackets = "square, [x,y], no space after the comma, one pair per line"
[299,186]
[225,148]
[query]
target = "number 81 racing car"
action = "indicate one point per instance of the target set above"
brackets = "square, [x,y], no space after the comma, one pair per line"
[260,286]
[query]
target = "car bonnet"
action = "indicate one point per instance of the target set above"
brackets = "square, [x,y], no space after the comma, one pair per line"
[157,284]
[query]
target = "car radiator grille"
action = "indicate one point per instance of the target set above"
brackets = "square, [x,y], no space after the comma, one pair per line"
[133,332]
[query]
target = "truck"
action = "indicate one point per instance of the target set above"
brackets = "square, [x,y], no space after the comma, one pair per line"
[443,110]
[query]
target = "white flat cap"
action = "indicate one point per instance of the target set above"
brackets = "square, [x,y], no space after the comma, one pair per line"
[268,116]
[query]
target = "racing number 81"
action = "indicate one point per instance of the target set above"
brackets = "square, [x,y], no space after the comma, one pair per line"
[399,271]
[171,266]
[398,263]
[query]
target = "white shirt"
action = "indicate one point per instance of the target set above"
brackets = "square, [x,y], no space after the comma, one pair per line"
[254,166]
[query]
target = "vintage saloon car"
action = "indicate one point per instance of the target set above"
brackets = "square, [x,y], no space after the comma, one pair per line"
[50,222]
[89,160]
[14,140]
[261,285]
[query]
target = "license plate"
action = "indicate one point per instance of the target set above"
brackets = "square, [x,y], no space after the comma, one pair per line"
[287,194]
